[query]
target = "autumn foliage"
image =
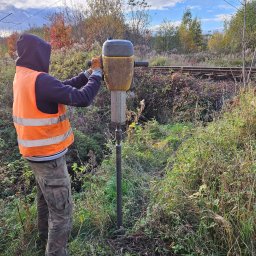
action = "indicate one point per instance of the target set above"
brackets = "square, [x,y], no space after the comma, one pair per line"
[59,32]
[105,19]
[11,44]
[100,28]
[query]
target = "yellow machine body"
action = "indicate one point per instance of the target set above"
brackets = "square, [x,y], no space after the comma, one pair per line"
[118,72]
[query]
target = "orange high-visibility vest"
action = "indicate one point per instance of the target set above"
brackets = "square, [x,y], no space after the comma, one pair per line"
[39,134]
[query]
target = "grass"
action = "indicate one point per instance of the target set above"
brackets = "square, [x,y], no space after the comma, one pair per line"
[145,154]
[187,190]
[205,59]
[206,203]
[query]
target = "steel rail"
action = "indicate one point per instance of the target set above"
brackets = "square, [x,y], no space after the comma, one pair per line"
[219,72]
[193,68]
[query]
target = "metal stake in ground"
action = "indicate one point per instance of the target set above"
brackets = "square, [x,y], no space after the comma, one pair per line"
[119,175]
[118,107]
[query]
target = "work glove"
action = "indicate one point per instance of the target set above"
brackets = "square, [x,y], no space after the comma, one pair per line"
[88,72]
[97,66]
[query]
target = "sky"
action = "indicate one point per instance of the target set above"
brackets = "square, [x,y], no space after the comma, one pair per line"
[212,13]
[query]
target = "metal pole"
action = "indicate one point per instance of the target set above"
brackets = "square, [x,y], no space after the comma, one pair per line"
[244,44]
[118,132]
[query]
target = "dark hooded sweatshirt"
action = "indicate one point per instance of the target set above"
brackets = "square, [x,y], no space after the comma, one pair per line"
[34,53]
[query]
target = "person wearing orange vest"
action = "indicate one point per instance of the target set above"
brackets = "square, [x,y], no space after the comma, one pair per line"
[44,133]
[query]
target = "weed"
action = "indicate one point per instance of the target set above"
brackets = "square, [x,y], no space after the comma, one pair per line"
[205,203]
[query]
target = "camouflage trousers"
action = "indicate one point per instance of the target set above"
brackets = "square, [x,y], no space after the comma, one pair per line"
[54,205]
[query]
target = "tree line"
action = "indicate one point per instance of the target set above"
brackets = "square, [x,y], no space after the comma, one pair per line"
[102,19]
[231,40]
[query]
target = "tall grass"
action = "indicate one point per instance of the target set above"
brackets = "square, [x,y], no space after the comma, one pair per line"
[145,154]
[206,203]
[186,190]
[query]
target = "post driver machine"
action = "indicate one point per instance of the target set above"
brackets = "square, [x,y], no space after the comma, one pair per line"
[118,67]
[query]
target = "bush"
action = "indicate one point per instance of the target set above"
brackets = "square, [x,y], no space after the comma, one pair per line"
[205,205]
[178,97]
[16,178]
[145,155]
[18,227]
[159,61]
[66,63]
[7,72]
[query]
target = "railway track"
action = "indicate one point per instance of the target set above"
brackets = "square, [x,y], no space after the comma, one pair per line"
[207,72]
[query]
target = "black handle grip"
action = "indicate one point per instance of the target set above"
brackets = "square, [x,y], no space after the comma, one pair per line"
[141,64]
[136,63]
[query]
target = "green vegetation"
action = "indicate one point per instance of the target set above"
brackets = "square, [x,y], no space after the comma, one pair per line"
[189,146]
[231,40]
[207,199]
[190,33]
[188,169]
[208,193]
[145,154]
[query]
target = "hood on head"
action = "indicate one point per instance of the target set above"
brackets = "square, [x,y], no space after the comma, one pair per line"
[33,53]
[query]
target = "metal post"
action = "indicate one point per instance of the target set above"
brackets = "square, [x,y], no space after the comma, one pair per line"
[118,132]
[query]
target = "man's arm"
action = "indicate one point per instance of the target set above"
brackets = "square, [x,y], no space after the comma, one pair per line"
[50,91]
[78,81]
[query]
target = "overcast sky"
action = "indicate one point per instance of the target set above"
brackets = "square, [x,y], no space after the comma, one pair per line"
[211,12]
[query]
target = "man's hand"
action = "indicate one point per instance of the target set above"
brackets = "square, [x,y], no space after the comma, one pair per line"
[97,66]
[97,63]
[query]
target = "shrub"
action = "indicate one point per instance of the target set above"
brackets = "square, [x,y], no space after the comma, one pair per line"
[67,63]
[7,72]
[178,97]
[144,156]
[159,61]
[18,227]
[205,205]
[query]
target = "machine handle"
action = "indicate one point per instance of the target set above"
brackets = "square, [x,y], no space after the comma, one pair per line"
[141,64]
[136,63]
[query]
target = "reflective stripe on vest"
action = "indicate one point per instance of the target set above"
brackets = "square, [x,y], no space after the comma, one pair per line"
[39,121]
[45,142]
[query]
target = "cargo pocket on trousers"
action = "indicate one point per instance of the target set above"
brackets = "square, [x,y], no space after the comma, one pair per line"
[57,193]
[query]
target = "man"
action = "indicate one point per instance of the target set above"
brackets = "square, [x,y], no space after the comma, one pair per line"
[44,133]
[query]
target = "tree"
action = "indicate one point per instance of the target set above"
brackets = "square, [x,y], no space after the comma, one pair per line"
[190,33]
[138,20]
[3,47]
[60,32]
[166,38]
[104,19]
[197,33]
[216,43]
[186,40]
[187,19]
[76,16]
[234,30]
